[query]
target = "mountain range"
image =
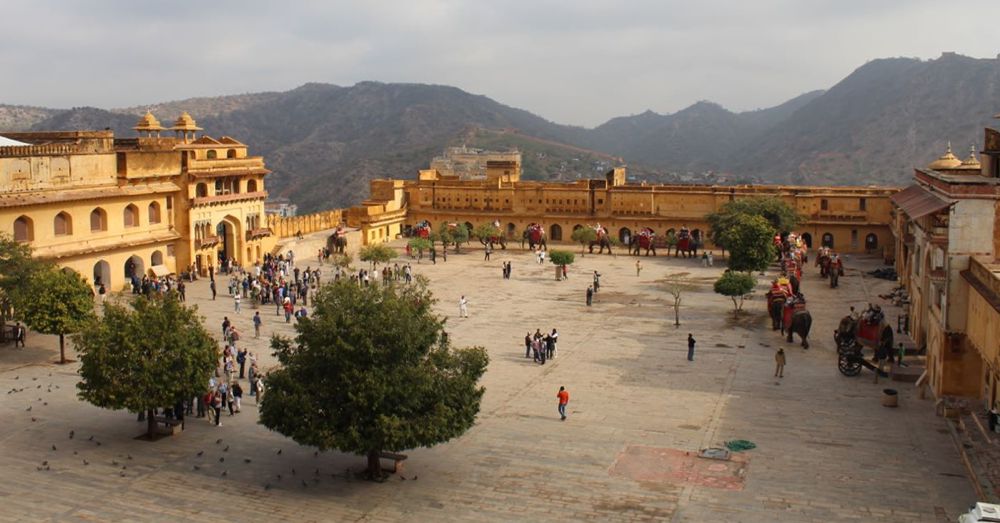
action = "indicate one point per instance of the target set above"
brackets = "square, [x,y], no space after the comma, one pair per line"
[326,142]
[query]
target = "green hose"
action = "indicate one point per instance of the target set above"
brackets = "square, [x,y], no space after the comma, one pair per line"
[739,445]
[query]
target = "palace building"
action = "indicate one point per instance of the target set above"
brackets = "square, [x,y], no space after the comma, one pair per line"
[946,227]
[113,209]
[849,219]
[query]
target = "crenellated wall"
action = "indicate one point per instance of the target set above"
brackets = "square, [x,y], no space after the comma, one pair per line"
[305,224]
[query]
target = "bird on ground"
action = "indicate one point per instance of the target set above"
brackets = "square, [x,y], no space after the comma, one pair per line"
[85,462]
[71,434]
[91,439]
[200,452]
[293,472]
[225,472]
[218,441]
[279,452]
[221,460]
[226,449]
[196,467]
[267,486]
[34,418]
[114,462]
[246,460]
[28,409]
[45,463]
[129,456]
[53,447]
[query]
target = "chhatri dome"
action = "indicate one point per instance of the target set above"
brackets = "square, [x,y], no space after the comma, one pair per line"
[148,124]
[185,123]
[945,161]
[971,163]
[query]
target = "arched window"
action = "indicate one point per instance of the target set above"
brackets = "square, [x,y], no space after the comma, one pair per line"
[154,212]
[252,186]
[827,240]
[131,216]
[24,230]
[555,232]
[231,153]
[156,258]
[98,220]
[201,190]
[808,239]
[871,242]
[211,154]
[63,224]
[624,235]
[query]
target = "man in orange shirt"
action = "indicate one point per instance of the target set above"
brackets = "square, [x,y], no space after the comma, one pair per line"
[563,396]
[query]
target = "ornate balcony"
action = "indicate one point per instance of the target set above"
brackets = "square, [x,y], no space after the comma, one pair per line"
[256,234]
[210,241]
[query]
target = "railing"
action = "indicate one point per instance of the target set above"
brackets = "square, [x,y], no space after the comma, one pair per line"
[209,242]
[225,164]
[222,198]
[11,151]
[260,232]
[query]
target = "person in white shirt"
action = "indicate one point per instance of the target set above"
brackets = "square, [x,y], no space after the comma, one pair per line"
[463,307]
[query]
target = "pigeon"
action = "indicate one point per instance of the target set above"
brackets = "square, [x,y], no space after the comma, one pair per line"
[47,467]
[34,419]
[267,486]
[85,462]
[122,473]
[316,454]
[218,441]
[45,404]
[226,449]
[28,409]
[196,467]
[279,477]
[304,484]
[34,379]
[91,439]
[124,467]
[401,478]
[246,460]
[200,452]
[279,452]
[293,472]
[225,473]
[53,447]
[221,460]
[129,456]
[414,478]
[44,463]
[71,434]
[114,462]
[74,453]
[17,377]
[98,443]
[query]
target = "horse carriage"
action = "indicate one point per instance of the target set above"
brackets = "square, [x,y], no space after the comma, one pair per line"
[853,335]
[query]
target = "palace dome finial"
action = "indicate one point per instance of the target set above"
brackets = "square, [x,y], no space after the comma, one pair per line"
[946,161]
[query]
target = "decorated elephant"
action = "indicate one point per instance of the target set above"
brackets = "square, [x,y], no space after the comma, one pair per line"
[337,242]
[799,323]
[823,262]
[836,270]
[494,239]
[603,240]
[775,305]
[422,230]
[687,243]
[534,234]
[644,239]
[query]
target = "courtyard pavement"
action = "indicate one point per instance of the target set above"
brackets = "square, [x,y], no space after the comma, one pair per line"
[826,449]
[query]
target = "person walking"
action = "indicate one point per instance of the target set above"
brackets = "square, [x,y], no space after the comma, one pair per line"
[555,339]
[236,302]
[487,251]
[638,268]
[597,281]
[881,354]
[590,295]
[217,407]
[779,359]
[463,307]
[563,396]
[103,292]
[19,334]
[241,358]
[211,285]
[691,342]
[237,393]
[256,324]
[527,345]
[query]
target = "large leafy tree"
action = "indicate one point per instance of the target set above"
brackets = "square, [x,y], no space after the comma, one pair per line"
[55,301]
[735,285]
[485,231]
[371,371]
[749,239]
[457,234]
[16,269]
[376,253]
[780,215]
[149,355]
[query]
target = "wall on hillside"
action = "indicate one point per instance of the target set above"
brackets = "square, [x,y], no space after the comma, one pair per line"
[284,227]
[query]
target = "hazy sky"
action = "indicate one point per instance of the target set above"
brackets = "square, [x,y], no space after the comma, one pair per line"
[574,61]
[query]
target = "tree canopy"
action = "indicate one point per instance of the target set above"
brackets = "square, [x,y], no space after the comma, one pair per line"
[376,253]
[55,301]
[735,285]
[583,236]
[749,239]
[781,216]
[16,268]
[371,371]
[561,258]
[458,234]
[485,231]
[147,355]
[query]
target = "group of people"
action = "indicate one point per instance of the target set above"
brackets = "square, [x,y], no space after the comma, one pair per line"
[541,347]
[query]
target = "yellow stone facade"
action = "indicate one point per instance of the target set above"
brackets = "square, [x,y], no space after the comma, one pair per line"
[850,219]
[112,208]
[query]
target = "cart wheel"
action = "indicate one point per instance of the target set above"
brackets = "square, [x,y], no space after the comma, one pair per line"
[849,366]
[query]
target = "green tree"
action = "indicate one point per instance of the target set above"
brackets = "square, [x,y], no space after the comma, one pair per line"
[376,253]
[420,245]
[749,239]
[781,216]
[16,269]
[371,371]
[149,355]
[55,301]
[736,285]
[458,234]
[560,259]
[583,236]
[484,231]
[343,261]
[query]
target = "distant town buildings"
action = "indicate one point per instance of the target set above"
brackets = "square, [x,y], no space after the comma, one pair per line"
[466,163]
[282,207]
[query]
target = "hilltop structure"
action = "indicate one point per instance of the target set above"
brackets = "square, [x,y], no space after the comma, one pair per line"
[114,209]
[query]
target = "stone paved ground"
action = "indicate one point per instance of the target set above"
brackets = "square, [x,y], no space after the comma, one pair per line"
[826,450]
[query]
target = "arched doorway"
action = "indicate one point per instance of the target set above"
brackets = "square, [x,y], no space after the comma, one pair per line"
[156,258]
[827,240]
[871,242]
[624,235]
[134,268]
[102,274]
[511,231]
[555,232]
[228,231]
[808,239]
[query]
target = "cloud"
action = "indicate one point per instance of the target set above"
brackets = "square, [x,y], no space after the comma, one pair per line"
[579,62]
